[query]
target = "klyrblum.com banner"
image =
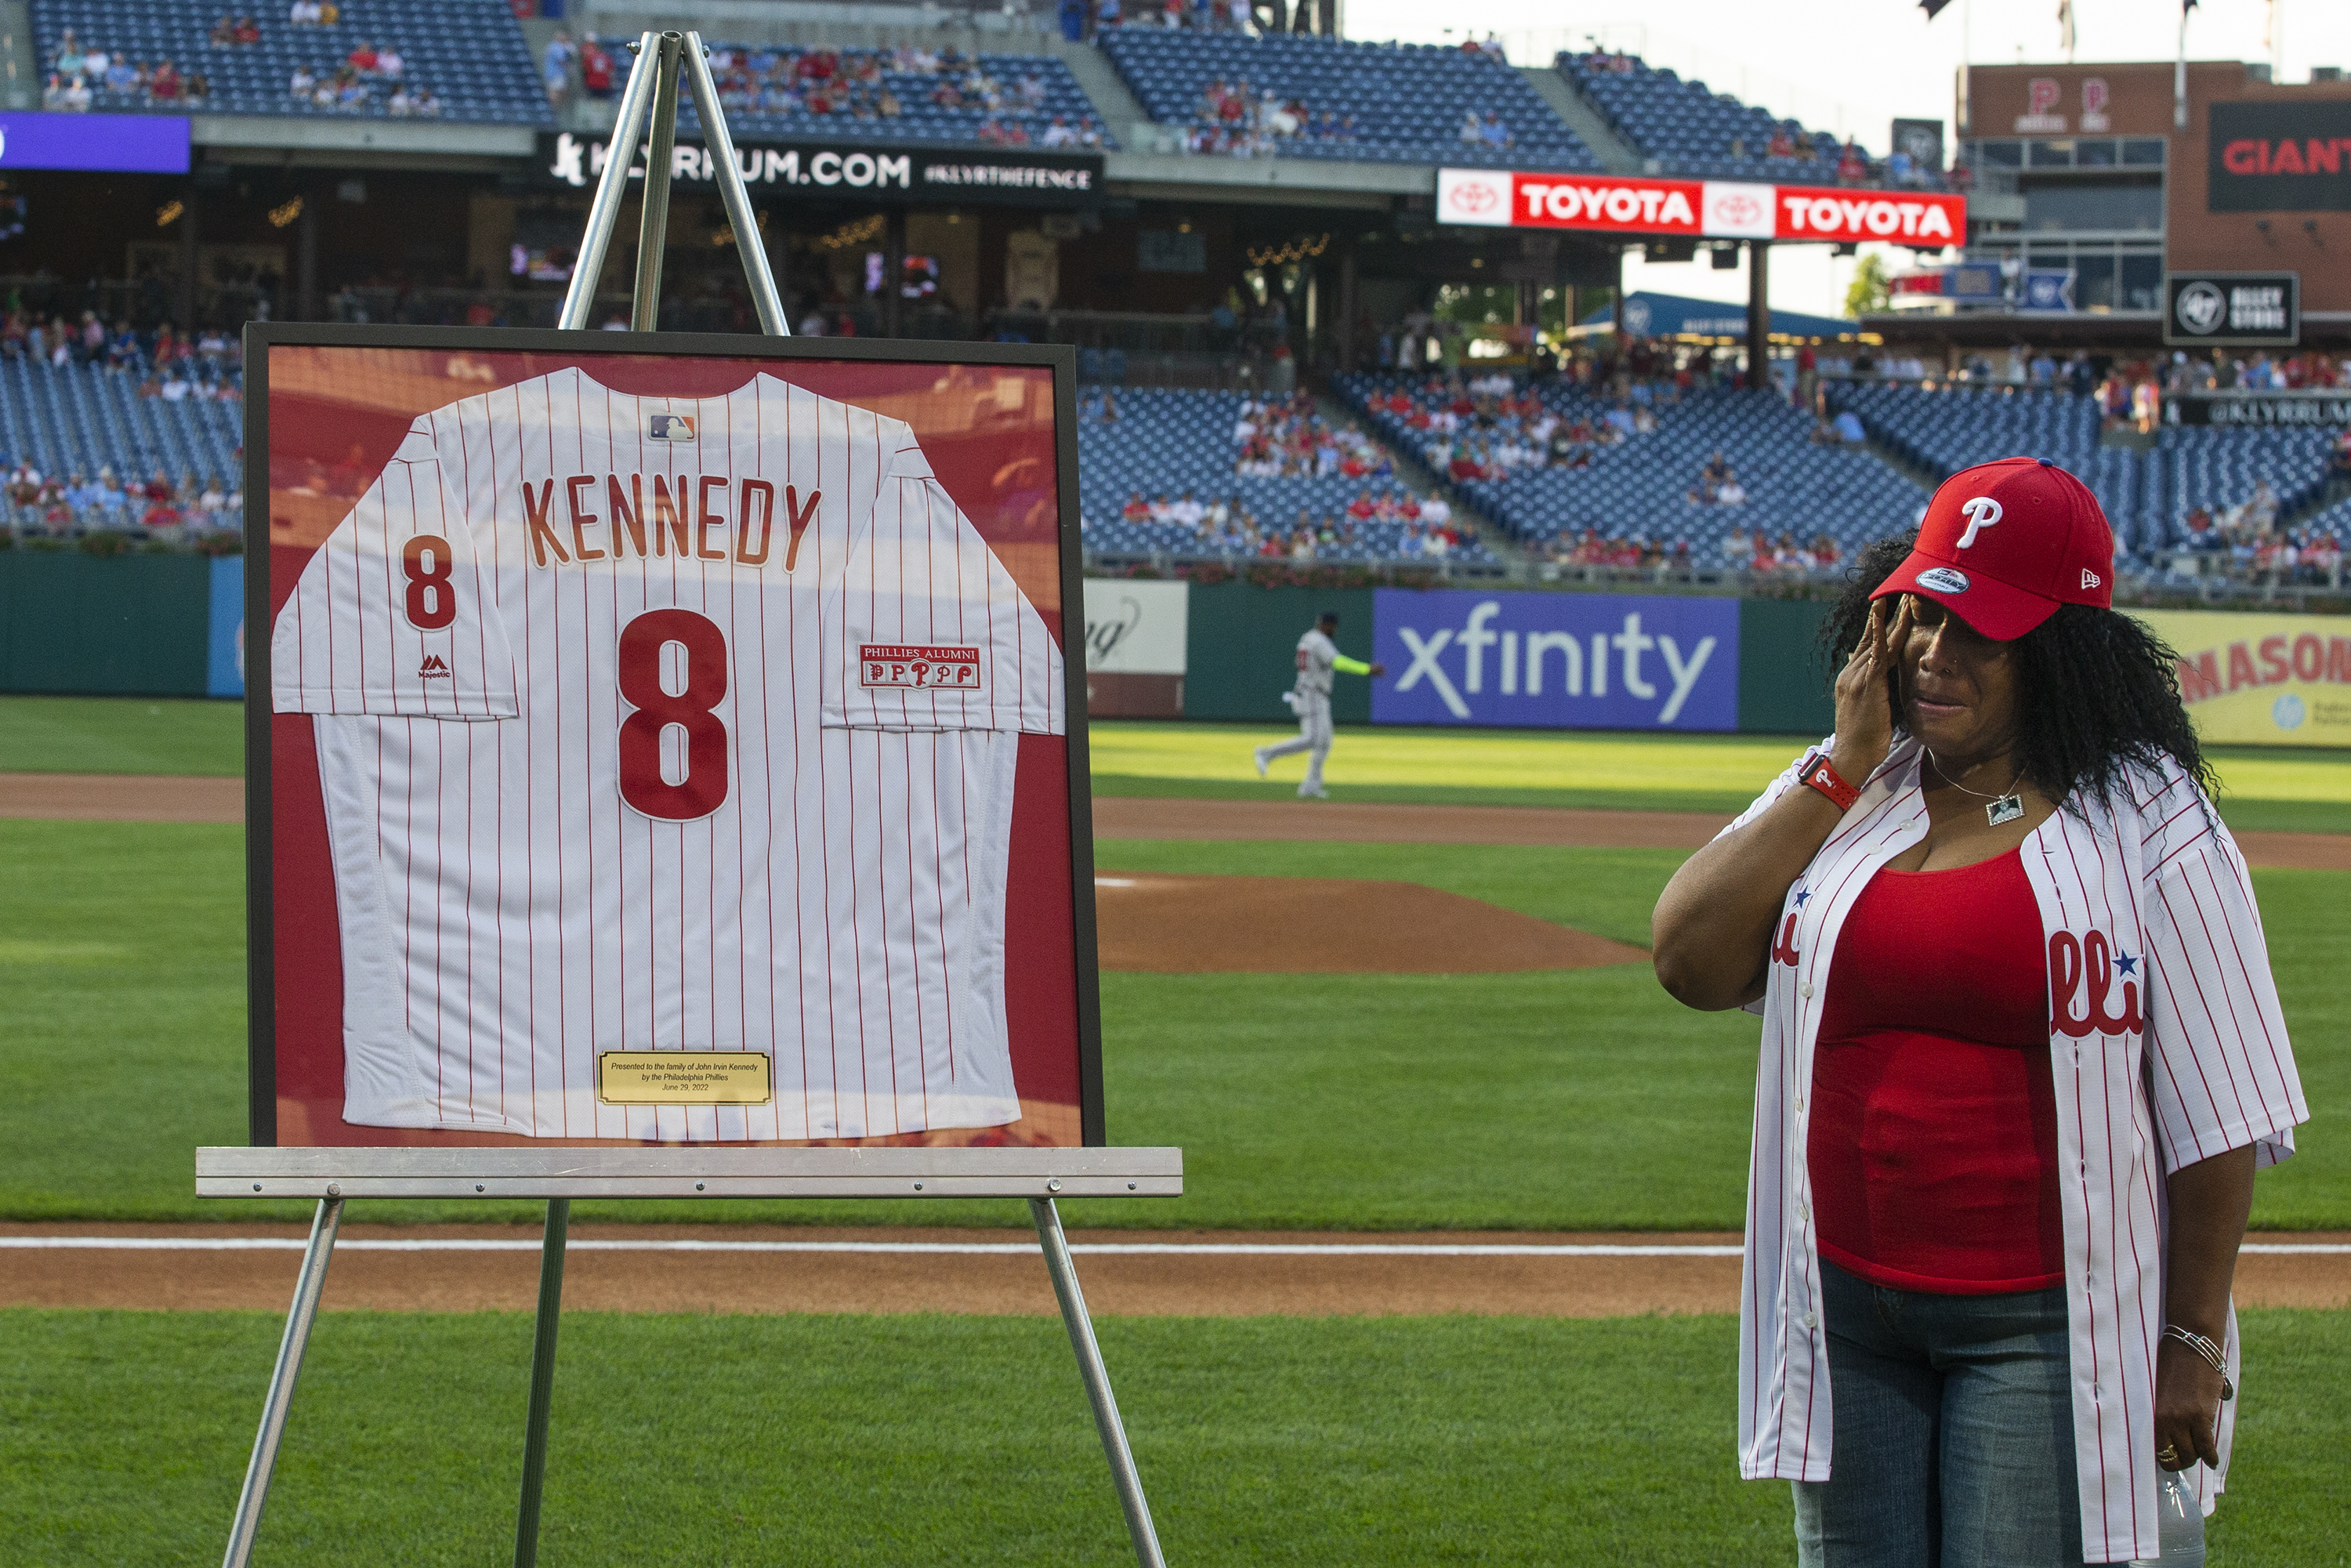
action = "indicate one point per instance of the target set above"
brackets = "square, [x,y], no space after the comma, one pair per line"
[2260,679]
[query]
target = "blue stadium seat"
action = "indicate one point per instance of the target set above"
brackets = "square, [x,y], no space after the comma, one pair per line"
[470,52]
[1693,132]
[1406,101]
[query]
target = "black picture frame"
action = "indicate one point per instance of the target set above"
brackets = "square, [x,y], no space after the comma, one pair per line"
[260,337]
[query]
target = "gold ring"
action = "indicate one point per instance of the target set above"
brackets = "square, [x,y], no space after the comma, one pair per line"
[2167,1455]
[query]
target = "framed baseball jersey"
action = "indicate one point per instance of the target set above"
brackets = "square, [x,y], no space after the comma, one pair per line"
[665,739]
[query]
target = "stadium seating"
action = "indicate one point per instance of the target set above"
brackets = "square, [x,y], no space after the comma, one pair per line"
[470,52]
[75,419]
[1638,487]
[1169,442]
[756,83]
[1406,101]
[2146,496]
[1688,129]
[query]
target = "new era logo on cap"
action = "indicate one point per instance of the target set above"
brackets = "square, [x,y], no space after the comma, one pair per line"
[2004,544]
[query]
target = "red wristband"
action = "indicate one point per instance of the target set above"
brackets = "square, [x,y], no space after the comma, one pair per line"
[1821,776]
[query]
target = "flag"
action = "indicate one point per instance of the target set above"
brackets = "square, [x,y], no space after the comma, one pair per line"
[2066,26]
[1934,8]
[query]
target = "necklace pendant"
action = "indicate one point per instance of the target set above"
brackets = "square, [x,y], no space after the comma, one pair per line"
[2007,809]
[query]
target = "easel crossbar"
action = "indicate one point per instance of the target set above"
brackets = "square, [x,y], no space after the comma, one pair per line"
[694,1172]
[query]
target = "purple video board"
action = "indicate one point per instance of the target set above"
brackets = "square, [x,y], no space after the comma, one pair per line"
[112,143]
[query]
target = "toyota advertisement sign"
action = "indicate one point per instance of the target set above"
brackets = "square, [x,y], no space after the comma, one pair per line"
[1555,661]
[1705,209]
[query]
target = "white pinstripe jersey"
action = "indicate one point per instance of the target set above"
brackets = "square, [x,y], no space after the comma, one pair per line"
[2168,1048]
[639,734]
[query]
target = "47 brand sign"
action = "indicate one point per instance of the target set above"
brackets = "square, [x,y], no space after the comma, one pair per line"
[2247,308]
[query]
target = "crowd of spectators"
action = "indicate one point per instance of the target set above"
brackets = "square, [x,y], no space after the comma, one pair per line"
[366,75]
[78,75]
[66,506]
[1287,438]
[1228,527]
[1235,119]
[859,85]
[365,79]
[1488,428]
[2243,543]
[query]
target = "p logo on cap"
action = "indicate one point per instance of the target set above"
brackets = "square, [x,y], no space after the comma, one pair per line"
[2003,544]
[1981,512]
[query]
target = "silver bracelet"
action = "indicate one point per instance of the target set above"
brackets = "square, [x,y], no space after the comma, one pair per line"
[2209,1351]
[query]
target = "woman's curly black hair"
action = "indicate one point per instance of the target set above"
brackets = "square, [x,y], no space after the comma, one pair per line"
[2097,690]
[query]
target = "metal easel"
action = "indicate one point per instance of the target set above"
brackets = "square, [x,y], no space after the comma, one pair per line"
[558,1175]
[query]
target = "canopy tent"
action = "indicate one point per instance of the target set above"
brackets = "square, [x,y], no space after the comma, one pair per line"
[1650,314]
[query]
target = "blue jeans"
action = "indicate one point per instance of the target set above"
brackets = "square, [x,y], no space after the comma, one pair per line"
[1953,1432]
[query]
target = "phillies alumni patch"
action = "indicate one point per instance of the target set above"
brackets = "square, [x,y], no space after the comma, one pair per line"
[945,669]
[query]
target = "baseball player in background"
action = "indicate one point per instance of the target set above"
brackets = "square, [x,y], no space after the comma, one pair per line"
[1318,660]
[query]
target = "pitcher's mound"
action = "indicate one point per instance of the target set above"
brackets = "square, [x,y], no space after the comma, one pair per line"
[1309,925]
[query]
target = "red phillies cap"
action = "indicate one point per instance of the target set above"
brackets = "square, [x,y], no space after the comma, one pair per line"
[2004,544]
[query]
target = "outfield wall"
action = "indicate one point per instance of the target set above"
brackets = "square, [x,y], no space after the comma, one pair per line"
[174,625]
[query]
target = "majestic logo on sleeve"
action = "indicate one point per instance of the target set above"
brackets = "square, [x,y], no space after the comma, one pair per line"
[2077,964]
[669,427]
[1981,512]
[434,668]
[883,664]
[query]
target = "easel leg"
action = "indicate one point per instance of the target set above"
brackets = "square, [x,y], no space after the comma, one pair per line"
[308,1287]
[1097,1379]
[542,1379]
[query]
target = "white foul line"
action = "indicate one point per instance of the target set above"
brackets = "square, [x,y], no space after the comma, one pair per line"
[969,1249]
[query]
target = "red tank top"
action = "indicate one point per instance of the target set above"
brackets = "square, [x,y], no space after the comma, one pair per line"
[1933,1143]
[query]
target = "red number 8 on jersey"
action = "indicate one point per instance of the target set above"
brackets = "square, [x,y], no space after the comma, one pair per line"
[703,788]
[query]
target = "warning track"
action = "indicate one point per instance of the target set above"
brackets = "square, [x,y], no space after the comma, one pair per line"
[770,1268]
[115,797]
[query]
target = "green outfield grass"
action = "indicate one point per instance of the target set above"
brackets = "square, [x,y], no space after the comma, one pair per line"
[120,735]
[723,1440]
[1583,1099]
[2261,787]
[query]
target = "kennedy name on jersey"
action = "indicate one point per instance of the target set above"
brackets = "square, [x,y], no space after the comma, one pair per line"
[708,518]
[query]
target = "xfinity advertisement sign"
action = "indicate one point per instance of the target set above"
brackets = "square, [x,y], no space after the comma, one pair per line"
[1570,661]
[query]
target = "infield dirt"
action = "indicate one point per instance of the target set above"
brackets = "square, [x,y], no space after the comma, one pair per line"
[88,797]
[1185,1276]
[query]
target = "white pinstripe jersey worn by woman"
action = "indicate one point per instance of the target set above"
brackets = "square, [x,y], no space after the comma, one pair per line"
[2012,814]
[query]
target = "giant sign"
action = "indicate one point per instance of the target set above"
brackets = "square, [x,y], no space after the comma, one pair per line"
[1710,209]
[1556,661]
[2280,157]
[2262,679]
[852,169]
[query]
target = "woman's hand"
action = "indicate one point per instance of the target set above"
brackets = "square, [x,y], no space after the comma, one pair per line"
[1864,692]
[2186,1408]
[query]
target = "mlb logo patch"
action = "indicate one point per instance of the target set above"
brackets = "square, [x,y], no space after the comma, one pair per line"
[919,668]
[669,427]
